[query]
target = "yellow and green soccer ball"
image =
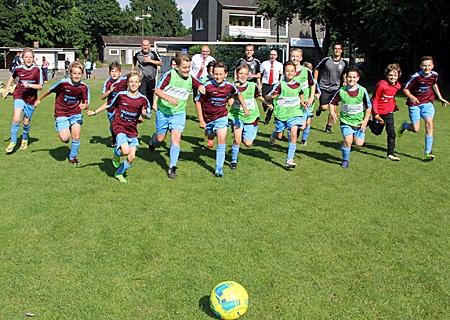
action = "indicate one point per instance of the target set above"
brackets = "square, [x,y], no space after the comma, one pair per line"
[229,300]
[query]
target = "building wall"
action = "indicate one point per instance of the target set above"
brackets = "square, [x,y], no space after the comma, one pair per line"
[124,54]
[202,10]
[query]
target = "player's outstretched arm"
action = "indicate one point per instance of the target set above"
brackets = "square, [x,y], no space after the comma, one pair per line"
[201,120]
[42,96]
[99,109]
[438,93]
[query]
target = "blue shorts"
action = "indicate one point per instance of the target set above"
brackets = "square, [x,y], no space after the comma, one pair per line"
[216,125]
[122,138]
[249,131]
[28,109]
[421,111]
[308,114]
[110,116]
[348,130]
[280,126]
[165,122]
[62,123]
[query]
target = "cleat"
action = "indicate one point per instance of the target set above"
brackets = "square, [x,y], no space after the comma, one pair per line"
[392,158]
[151,146]
[303,143]
[24,144]
[401,130]
[210,143]
[218,172]
[290,164]
[233,166]
[272,140]
[10,147]
[328,130]
[115,160]
[429,157]
[266,122]
[318,112]
[344,164]
[172,173]
[120,178]
[75,161]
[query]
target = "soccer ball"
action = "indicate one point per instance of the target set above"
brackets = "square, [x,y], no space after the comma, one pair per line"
[229,300]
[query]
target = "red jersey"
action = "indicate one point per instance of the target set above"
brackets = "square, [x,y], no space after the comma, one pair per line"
[128,109]
[69,96]
[420,86]
[383,99]
[120,85]
[33,75]
[214,101]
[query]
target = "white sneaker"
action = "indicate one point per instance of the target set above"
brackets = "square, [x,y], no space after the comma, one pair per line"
[392,158]
[290,164]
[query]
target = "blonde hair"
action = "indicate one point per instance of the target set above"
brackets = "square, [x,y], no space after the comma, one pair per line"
[134,74]
[76,64]
[27,50]
[391,67]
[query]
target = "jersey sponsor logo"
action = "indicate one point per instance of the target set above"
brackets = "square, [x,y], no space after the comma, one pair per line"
[175,92]
[352,108]
[287,102]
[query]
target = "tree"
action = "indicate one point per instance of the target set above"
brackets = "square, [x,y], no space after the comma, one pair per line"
[165,18]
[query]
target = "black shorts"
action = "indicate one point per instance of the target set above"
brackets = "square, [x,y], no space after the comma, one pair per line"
[326,96]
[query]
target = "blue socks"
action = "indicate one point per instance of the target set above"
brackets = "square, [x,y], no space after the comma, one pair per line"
[26,131]
[14,131]
[220,155]
[174,154]
[234,153]
[428,144]
[74,149]
[405,125]
[291,150]
[306,133]
[123,167]
[345,153]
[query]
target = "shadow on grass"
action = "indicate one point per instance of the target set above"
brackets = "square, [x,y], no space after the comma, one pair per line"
[366,146]
[255,153]
[105,166]
[153,156]
[97,139]
[59,154]
[199,148]
[204,305]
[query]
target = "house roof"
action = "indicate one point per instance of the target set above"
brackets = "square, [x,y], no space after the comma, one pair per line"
[239,3]
[136,40]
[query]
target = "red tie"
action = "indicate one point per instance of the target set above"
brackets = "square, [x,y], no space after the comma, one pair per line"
[271,73]
[200,72]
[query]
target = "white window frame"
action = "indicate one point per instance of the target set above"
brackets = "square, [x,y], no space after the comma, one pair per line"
[111,52]
[247,15]
[199,24]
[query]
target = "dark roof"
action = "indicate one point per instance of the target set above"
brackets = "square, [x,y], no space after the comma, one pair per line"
[239,3]
[136,40]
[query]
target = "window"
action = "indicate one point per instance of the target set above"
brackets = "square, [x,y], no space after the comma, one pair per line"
[113,52]
[239,20]
[199,24]
[282,30]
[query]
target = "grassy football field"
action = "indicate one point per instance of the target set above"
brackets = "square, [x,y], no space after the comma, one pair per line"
[314,242]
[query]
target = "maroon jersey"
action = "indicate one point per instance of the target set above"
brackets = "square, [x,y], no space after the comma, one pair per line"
[420,87]
[32,75]
[214,101]
[128,109]
[120,85]
[383,99]
[69,95]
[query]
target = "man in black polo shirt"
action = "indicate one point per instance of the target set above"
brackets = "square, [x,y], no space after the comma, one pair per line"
[148,61]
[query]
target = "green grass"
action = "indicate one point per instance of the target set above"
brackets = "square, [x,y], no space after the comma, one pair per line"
[316,242]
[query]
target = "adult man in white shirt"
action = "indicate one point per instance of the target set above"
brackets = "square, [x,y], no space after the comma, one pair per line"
[271,70]
[198,64]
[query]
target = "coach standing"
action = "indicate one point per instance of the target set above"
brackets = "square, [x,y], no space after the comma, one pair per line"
[199,62]
[271,70]
[149,61]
